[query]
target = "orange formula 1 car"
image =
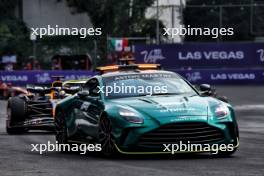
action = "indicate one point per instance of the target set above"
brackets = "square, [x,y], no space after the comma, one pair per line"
[35,110]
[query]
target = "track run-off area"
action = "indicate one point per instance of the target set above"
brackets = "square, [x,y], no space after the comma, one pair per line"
[16,157]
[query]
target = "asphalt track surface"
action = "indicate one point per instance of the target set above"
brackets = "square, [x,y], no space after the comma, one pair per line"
[16,157]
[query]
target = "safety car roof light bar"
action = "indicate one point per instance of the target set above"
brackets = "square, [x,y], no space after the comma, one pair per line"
[113,68]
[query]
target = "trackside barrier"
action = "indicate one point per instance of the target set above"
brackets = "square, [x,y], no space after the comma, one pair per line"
[202,55]
[224,76]
[22,78]
[195,76]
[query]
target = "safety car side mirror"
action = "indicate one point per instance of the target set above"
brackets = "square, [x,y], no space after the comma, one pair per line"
[205,88]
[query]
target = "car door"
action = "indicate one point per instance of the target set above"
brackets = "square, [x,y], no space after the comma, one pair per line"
[88,109]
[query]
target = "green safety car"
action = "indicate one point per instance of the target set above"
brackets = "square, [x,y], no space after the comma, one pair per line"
[145,122]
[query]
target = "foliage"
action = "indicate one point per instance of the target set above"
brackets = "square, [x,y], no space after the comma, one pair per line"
[232,17]
[14,35]
[117,18]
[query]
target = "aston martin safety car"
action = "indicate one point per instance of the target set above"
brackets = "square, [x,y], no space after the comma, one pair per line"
[140,122]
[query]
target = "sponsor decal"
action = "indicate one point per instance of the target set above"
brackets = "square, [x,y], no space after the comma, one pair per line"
[233,76]
[193,77]
[43,78]
[152,56]
[188,118]
[76,77]
[204,55]
[261,54]
[178,109]
[211,55]
[11,78]
[85,106]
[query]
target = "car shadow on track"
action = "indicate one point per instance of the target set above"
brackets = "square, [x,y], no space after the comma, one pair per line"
[162,157]
[97,156]
[122,157]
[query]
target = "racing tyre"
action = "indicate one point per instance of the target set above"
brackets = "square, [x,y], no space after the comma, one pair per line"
[106,137]
[16,113]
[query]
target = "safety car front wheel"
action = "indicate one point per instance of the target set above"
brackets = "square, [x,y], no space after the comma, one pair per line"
[106,137]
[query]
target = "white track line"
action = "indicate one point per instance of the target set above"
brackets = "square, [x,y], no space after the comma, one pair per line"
[250,107]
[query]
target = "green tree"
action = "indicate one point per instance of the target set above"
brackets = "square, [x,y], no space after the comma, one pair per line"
[237,17]
[14,35]
[117,18]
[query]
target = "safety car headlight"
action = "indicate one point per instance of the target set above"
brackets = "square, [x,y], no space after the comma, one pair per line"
[130,116]
[221,111]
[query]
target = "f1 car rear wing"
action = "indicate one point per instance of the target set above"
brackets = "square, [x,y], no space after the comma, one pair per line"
[38,89]
[46,90]
[58,77]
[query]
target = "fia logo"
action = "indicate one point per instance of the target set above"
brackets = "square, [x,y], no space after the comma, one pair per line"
[261,54]
[152,56]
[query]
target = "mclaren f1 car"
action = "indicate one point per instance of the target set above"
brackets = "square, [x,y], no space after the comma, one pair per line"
[35,110]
